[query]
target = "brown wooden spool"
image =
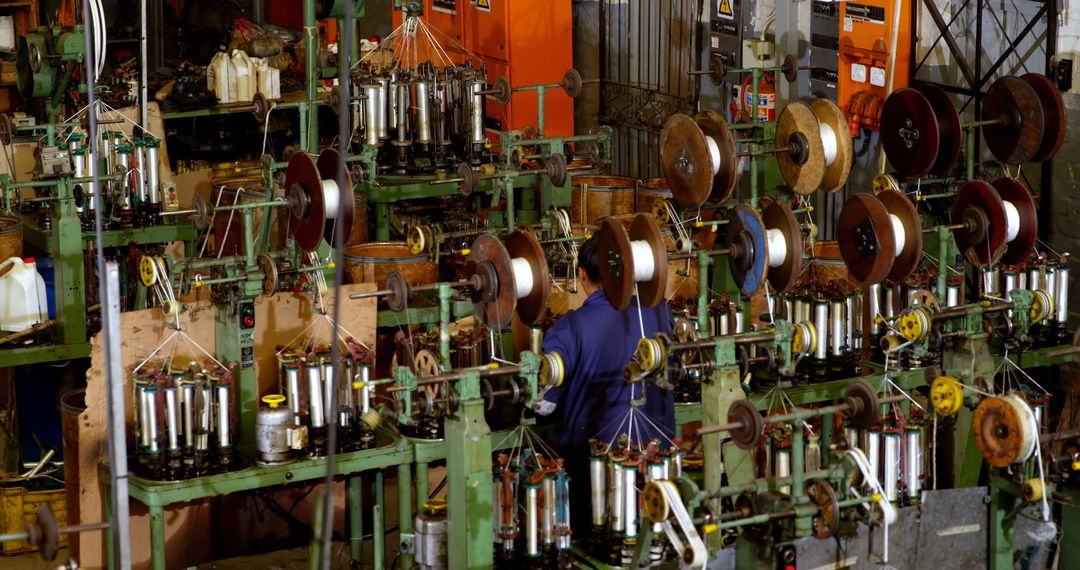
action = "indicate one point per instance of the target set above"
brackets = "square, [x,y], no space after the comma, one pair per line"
[359,232]
[11,239]
[372,262]
[597,197]
[651,191]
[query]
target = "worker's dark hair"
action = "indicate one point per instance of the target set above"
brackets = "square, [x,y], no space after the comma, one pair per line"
[589,260]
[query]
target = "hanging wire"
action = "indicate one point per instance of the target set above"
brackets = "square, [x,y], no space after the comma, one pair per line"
[349,29]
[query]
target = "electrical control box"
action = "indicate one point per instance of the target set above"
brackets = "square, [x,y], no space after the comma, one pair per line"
[726,31]
[866,50]
[824,52]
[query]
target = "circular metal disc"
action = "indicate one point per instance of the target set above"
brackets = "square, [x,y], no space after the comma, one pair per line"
[1020,135]
[910,134]
[616,262]
[468,178]
[269,268]
[983,198]
[900,206]
[867,243]
[685,160]
[836,174]
[495,314]
[824,498]
[869,410]
[571,83]
[748,434]
[950,135]
[501,91]
[713,125]
[1014,191]
[645,228]
[798,118]
[328,164]
[778,216]
[1053,115]
[747,230]
[533,307]
[302,177]
[556,169]
[998,431]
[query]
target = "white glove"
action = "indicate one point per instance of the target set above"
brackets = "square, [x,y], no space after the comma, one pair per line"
[543,407]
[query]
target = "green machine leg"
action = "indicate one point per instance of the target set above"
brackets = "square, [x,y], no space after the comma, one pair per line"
[405,512]
[356,519]
[378,525]
[1002,517]
[468,468]
[70,278]
[157,537]
[972,364]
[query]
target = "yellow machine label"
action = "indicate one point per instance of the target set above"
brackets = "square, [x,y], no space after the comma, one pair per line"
[483,5]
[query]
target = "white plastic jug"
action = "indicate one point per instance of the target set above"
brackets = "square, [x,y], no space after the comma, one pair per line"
[220,79]
[269,79]
[243,76]
[22,296]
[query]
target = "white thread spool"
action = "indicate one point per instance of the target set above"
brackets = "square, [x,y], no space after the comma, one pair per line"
[714,153]
[777,247]
[1029,427]
[1012,221]
[523,276]
[899,233]
[829,141]
[644,263]
[331,199]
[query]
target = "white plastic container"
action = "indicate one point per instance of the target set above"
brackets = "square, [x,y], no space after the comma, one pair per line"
[244,76]
[269,79]
[220,78]
[22,296]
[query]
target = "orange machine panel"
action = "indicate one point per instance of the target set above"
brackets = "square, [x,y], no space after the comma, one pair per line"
[528,41]
[866,40]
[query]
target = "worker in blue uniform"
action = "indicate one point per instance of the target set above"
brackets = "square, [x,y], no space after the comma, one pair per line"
[595,343]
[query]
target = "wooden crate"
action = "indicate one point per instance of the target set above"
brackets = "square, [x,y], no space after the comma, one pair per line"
[19,506]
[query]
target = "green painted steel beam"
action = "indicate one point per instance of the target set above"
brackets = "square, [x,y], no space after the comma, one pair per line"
[44,353]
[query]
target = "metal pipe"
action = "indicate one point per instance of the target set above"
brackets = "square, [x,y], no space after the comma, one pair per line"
[598,489]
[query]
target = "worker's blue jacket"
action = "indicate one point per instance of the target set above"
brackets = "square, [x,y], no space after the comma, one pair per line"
[595,343]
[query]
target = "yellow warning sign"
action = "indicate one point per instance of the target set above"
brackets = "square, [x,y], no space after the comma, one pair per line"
[486,5]
[724,10]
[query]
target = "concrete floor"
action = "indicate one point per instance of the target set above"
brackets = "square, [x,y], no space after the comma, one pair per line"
[294,559]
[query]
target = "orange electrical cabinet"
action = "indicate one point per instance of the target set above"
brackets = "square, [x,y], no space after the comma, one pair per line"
[866,40]
[528,41]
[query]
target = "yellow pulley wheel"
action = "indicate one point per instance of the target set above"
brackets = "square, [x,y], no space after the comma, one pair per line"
[552,370]
[1033,490]
[417,239]
[147,270]
[914,324]
[890,343]
[1041,307]
[171,308]
[805,341]
[885,182]
[648,354]
[654,503]
[371,419]
[946,395]
[273,400]
[660,212]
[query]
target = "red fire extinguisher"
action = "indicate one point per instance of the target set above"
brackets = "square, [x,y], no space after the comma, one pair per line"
[766,111]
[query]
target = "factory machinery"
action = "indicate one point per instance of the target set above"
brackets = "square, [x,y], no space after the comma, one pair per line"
[821,394]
